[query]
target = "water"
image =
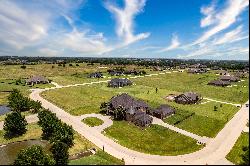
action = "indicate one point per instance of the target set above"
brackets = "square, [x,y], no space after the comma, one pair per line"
[4,109]
[9,152]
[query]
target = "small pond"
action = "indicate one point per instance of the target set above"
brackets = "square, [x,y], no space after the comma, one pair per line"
[9,152]
[4,109]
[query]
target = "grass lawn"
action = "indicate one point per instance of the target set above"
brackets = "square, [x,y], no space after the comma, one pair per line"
[100,158]
[92,121]
[235,154]
[155,139]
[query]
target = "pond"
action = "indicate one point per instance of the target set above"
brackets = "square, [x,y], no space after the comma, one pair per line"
[4,109]
[9,152]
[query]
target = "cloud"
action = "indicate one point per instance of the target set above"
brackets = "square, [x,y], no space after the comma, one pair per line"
[232,36]
[221,19]
[19,28]
[125,20]
[174,44]
[48,52]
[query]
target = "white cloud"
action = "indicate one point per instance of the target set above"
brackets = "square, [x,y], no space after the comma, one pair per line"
[208,11]
[125,20]
[232,36]
[221,19]
[48,52]
[18,27]
[174,44]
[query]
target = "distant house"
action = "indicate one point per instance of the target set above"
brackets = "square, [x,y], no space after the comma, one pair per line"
[240,74]
[135,109]
[229,78]
[115,72]
[119,82]
[182,66]
[219,83]
[196,71]
[198,66]
[37,80]
[224,73]
[96,75]
[157,68]
[163,111]
[188,98]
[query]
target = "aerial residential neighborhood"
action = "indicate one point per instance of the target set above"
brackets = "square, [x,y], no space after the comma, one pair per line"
[124,82]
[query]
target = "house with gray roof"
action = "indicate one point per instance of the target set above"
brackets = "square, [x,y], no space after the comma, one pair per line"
[119,82]
[229,78]
[219,83]
[188,98]
[95,75]
[163,111]
[37,80]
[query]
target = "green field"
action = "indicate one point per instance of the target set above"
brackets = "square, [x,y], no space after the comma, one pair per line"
[87,99]
[155,139]
[92,121]
[235,154]
[100,158]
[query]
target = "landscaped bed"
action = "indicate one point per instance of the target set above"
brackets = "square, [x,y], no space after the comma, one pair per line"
[155,139]
[92,121]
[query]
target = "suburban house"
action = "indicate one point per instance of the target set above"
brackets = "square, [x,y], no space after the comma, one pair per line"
[229,78]
[163,111]
[119,82]
[240,74]
[196,71]
[219,83]
[115,72]
[37,80]
[96,75]
[136,110]
[198,66]
[188,98]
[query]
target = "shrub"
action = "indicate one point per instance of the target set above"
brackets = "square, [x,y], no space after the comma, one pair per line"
[14,125]
[70,64]
[18,102]
[23,67]
[35,106]
[33,155]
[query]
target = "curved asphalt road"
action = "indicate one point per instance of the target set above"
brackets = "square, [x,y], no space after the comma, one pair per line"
[214,152]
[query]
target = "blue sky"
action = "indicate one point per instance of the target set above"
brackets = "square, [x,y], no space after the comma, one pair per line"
[184,29]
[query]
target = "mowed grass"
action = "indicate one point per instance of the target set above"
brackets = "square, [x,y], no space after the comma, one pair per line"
[184,82]
[92,121]
[235,154]
[155,139]
[34,131]
[87,99]
[100,158]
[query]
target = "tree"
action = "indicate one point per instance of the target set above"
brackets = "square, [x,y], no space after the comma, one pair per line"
[119,113]
[60,153]
[14,124]
[35,106]
[63,133]
[23,67]
[18,102]
[48,122]
[245,156]
[33,155]
[215,108]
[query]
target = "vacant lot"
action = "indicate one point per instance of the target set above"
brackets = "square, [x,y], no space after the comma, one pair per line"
[235,153]
[155,139]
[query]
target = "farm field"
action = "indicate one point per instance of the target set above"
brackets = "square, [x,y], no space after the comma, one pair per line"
[155,139]
[235,154]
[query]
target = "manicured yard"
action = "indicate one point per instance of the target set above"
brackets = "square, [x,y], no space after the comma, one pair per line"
[235,154]
[152,140]
[92,121]
[100,158]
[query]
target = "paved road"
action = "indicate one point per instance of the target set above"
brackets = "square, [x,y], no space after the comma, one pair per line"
[30,119]
[214,152]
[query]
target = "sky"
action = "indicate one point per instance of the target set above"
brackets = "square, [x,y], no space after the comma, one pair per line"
[179,29]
